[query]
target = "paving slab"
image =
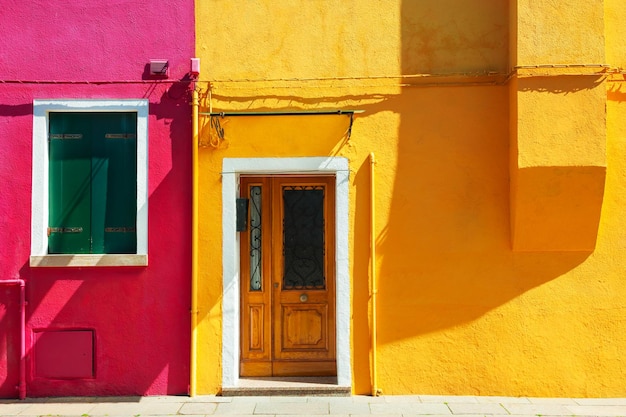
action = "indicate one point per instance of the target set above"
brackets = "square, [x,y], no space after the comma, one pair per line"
[500,400]
[237,408]
[598,410]
[377,415]
[294,408]
[12,409]
[562,401]
[114,408]
[460,415]
[546,409]
[401,398]
[309,415]
[56,409]
[369,399]
[197,408]
[498,415]
[410,408]
[473,408]
[230,415]
[159,408]
[315,406]
[448,399]
[254,415]
[158,415]
[288,399]
[247,400]
[186,415]
[349,408]
[600,401]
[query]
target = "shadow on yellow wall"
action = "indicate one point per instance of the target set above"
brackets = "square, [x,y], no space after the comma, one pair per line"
[459,310]
[444,247]
[445,36]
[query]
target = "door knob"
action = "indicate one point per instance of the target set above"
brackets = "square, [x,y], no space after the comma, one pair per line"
[304,298]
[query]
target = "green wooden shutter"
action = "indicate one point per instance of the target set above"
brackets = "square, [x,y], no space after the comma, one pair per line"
[93,183]
[69,184]
[116,195]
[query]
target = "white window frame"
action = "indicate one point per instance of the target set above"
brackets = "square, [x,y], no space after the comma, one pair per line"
[39,256]
[232,168]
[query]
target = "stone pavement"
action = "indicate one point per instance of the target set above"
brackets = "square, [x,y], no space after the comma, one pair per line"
[357,406]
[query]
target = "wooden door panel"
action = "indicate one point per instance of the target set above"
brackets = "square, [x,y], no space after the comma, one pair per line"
[256,332]
[255,368]
[305,328]
[256,329]
[256,335]
[288,321]
[304,368]
[304,271]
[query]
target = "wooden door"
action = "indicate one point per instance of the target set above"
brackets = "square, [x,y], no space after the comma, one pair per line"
[287,277]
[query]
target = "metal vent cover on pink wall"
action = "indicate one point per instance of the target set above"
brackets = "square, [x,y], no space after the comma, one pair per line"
[64,354]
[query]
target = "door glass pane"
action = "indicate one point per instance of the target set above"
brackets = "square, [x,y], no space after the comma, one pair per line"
[255,238]
[303,237]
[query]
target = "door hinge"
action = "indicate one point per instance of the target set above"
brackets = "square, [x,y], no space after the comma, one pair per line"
[64,230]
[65,136]
[120,136]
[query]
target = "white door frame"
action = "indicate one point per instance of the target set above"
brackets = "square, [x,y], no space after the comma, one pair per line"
[232,168]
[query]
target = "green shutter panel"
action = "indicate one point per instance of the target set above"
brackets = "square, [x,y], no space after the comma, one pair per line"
[69,184]
[99,183]
[115,184]
[93,183]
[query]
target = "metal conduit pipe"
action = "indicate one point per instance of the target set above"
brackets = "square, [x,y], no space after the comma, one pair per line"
[194,243]
[22,383]
[374,289]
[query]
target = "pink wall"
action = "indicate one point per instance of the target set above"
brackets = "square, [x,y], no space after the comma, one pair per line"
[139,315]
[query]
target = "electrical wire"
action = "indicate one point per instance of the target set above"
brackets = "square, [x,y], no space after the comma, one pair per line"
[470,78]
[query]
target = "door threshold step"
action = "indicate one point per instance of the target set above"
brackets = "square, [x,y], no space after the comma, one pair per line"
[287,386]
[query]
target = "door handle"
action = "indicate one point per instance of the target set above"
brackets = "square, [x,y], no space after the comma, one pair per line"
[304,298]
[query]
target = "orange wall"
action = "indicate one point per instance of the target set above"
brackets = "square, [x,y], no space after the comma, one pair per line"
[461,309]
[559,140]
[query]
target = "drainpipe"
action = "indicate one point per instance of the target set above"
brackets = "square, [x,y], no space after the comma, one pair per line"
[374,290]
[22,384]
[194,241]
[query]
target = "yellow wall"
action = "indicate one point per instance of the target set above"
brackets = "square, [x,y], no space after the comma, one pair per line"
[499,191]
[560,134]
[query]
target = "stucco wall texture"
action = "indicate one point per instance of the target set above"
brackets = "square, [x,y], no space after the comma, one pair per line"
[500,145]
[139,315]
[500,179]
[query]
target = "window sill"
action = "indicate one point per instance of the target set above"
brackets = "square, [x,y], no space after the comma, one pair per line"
[88,260]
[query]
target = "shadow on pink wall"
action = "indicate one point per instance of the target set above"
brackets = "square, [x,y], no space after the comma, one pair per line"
[129,325]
